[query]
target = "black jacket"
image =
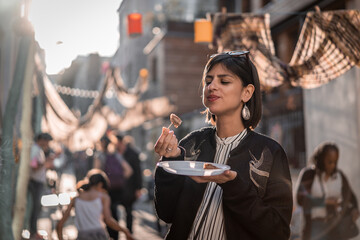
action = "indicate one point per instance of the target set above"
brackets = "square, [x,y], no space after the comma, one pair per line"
[135,180]
[254,206]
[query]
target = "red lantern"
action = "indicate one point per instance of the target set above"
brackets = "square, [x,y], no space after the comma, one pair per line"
[134,24]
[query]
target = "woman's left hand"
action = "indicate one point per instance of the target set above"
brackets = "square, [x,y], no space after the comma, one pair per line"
[226,176]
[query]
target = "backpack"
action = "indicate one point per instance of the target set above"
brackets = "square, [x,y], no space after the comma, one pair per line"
[115,171]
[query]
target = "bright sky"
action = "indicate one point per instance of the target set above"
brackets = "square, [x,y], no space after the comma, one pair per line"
[80,26]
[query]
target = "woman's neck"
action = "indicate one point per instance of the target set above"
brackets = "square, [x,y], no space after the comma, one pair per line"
[328,175]
[228,127]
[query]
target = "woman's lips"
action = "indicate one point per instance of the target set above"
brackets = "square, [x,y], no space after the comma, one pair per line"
[212,98]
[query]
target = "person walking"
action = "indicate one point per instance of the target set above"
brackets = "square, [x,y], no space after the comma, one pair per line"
[252,200]
[100,155]
[324,194]
[132,188]
[38,164]
[92,207]
[118,171]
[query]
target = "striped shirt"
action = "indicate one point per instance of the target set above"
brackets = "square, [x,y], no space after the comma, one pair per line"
[209,220]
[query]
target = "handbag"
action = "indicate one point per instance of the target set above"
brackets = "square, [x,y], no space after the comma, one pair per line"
[343,225]
[346,227]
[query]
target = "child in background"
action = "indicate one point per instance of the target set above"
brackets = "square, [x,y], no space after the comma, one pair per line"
[91,205]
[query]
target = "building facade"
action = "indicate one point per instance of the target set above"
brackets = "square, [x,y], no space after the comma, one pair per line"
[299,119]
[326,113]
[175,63]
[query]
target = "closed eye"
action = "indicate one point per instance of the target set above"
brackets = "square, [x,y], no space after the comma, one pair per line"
[224,82]
[208,80]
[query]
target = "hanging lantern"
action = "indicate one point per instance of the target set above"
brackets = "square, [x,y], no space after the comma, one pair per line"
[134,24]
[203,31]
[143,73]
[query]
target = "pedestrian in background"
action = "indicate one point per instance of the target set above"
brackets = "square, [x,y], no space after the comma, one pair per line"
[323,191]
[132,189]
[252,200]
[118,171]
[92,208]
[82,164]
[38,164]
[100,155]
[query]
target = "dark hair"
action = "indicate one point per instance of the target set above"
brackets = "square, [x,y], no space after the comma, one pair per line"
[243,68]
[320,152]
[119,136]
[43,136]
[83,185]
[96,176]
[105,139]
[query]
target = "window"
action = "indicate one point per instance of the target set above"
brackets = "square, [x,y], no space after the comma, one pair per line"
[154,76]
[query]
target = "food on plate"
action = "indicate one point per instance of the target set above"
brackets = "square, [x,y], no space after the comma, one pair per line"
[210,166]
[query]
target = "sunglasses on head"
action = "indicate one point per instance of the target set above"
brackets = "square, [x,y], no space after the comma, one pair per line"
[232,53]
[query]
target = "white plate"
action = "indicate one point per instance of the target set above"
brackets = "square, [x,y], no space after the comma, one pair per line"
[192,168]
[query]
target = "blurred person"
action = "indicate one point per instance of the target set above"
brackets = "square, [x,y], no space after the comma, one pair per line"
[252,200]
[39,163]
[118,171]
[80,185]
[51,174]
[323,190]
[92,209]
[82,164]
[132,188]
[100,155]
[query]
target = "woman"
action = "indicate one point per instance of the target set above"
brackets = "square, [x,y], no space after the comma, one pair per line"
[253,200]
[100,156]
[91,205]
[324,193]
[118,171]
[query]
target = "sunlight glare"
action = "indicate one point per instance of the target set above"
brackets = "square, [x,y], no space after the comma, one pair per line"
[25,234]
[49,200]
[64,199]
[82,27]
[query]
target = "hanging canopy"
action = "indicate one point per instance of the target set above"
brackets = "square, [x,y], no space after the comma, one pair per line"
[79,133]
[328,46]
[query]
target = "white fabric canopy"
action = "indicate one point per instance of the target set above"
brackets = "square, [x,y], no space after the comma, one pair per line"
[81,133]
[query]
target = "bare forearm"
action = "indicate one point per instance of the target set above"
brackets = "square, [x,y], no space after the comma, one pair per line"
[111,222]
[59,228]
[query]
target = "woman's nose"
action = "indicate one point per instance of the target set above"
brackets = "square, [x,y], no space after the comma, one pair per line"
[212,85]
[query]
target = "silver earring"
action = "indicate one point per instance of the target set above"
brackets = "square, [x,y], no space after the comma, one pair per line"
[245,112]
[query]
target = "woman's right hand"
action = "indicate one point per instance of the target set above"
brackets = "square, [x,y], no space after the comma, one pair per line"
[167,144]
[128,235]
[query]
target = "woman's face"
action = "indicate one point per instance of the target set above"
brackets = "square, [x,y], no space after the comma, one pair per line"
[44,144]
[223,92]
[330,161]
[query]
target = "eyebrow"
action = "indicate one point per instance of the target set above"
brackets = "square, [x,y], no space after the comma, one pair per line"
[220,76]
